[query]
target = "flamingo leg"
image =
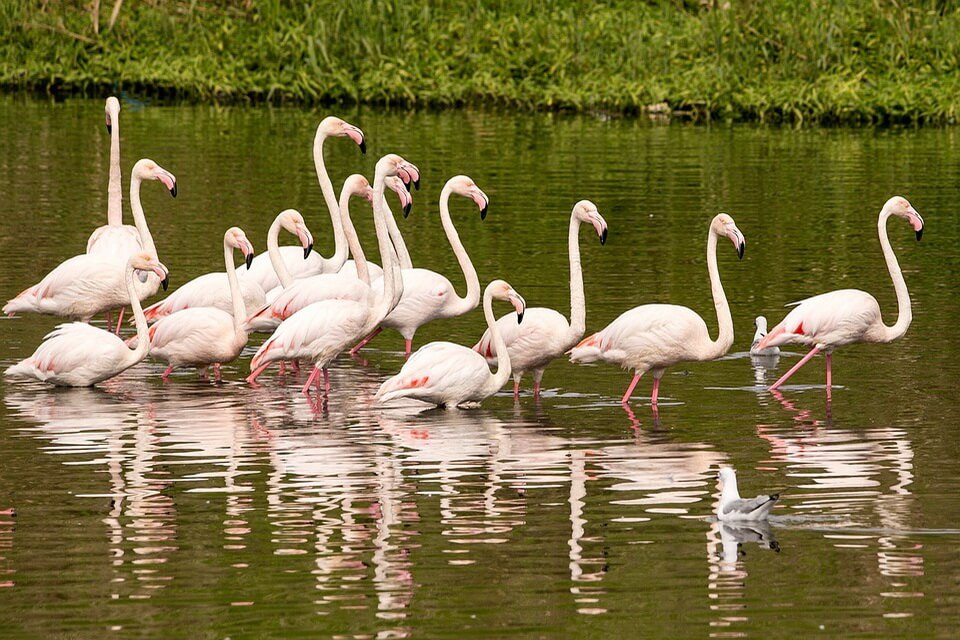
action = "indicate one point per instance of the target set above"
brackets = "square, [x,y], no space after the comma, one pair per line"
[829,373]
[216,372]
[792,371]
[407,347]
[252,378]
[537,377]
[633,385]
[313,376]
[166,374]
[656,391]
[120,319]
[516,389]
[326,382]
[109,320]
[283,367]
[360,345]
[295,363]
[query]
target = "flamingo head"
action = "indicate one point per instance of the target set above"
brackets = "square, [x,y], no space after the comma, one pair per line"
[464,186]
[334,126]
[237,239]
[292,222]
[723,225]
[406,198]
[585,211]
[357,185]
[146,169]
[145,262]
[112,108]
[393,165]
[501,290]
[898,206]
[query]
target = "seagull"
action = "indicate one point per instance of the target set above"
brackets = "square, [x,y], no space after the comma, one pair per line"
[761,333]
[733,507]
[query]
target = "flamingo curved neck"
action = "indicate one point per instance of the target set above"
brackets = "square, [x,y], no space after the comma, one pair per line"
[115,186]
[469,302]
[389,296]
[236,298]
[715,348]
[334,262]
[353,242]
[273,252]
[146,240]
[904,310]
[143,332]
[397,239]
[498,379]
[578,305]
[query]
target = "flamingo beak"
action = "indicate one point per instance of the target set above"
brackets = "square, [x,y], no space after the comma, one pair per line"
[306,240]
[738,240]
[356,135]
[482,201]
[168,180]
[248,254]
[916,221]
[408,173]
[164,278]
[109,125]
[519,304]
[600,225]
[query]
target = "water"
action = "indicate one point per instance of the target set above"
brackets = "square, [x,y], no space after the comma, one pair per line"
[197,510]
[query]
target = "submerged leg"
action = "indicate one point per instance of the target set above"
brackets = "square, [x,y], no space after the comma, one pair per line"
[829,373]
[516,388]
[326,382]
[252,378]
[283,368]
[537,377]
[360,345]
[656,391]
[166,374]
[216,372]
[792,371]
[633,385]
[313,376]
[295,363]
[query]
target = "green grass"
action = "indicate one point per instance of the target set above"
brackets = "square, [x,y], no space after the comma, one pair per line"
[771,60]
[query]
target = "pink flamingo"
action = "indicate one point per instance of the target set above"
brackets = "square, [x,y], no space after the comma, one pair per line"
[545,334]
[845,316]
[656,336]
[322,330]
[428,295]
[262,271]
[77,354]
[201,336]
[114,240]
[86,285]
[213,289]
[448,374]
[406,203]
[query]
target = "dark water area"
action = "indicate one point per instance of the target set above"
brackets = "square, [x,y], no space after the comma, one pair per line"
[197,510]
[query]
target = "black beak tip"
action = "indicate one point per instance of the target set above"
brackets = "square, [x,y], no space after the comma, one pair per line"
[363,147]
[416,184]
[520,317]
[483,213]
[740,249]
[109,129]
[173,190]
[919,233]
[249,259]
[603,236]
[165,282]
[406,209]
[306,251]
[407,185]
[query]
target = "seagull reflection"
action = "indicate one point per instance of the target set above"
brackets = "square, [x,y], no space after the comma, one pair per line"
[763,366]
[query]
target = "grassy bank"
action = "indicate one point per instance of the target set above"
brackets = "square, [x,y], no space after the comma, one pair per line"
[828,61]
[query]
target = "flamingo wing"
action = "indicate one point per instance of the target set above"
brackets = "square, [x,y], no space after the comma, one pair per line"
[114,242]
[538,339]
[318,327]
[208,290]
[436,372]
[74,353]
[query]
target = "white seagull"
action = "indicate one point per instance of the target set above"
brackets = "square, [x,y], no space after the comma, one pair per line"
[733,507]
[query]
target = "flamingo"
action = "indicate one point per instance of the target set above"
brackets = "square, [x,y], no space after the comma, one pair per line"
[115,239]
[732,507]
[85,285]
[406,204]
[262,271]
[347,284]
[656,336]
[545,334]
[845,316]
[322,330]
[428,295]
[77,354]
[448,374]
[755,350]
[213,289]
[201,336]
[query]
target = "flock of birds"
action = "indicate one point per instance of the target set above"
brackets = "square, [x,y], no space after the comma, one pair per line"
[316,308]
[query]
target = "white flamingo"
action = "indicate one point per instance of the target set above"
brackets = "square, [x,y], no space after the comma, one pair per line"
[428,295]
[213,289]
[115,239]
[544,335]
[324,329]
[77,354]
[448,374]
[262,271]
[201,336]
[85,285]
[846,316]
[656,336]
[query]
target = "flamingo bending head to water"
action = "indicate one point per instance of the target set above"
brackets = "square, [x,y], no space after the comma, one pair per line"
[845,316]
[652,337]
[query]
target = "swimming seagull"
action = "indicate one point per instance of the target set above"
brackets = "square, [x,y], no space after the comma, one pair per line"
[733,507]
[761,323]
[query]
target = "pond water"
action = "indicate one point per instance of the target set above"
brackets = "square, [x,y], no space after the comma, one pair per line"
[203,510]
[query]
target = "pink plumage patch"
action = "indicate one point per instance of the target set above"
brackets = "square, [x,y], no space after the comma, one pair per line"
[418,382]
[799,330]
[589,341]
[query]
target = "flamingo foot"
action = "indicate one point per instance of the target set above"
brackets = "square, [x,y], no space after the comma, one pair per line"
[252,378]
[166,374]
[802,362]
[633,385]
[360,345]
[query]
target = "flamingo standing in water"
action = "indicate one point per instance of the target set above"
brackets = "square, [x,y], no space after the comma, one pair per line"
[545,334]
[656,336]
[86,285]
[845,316]
[322,330]
[201,336]
[77,354]
[262,271]
[428,295]
[213,289]
[448,374]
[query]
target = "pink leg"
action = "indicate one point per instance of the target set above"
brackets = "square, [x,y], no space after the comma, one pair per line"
[296,365]
[516,389]
[313,376]
[792,371]
[633,385]
[252,378]
[373,334]
[166,374]
[109,320]
[216,372]
[656,391]
[407,347]
[536,389]
[326,382]
[283,367]
[829,373]
[120,319]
